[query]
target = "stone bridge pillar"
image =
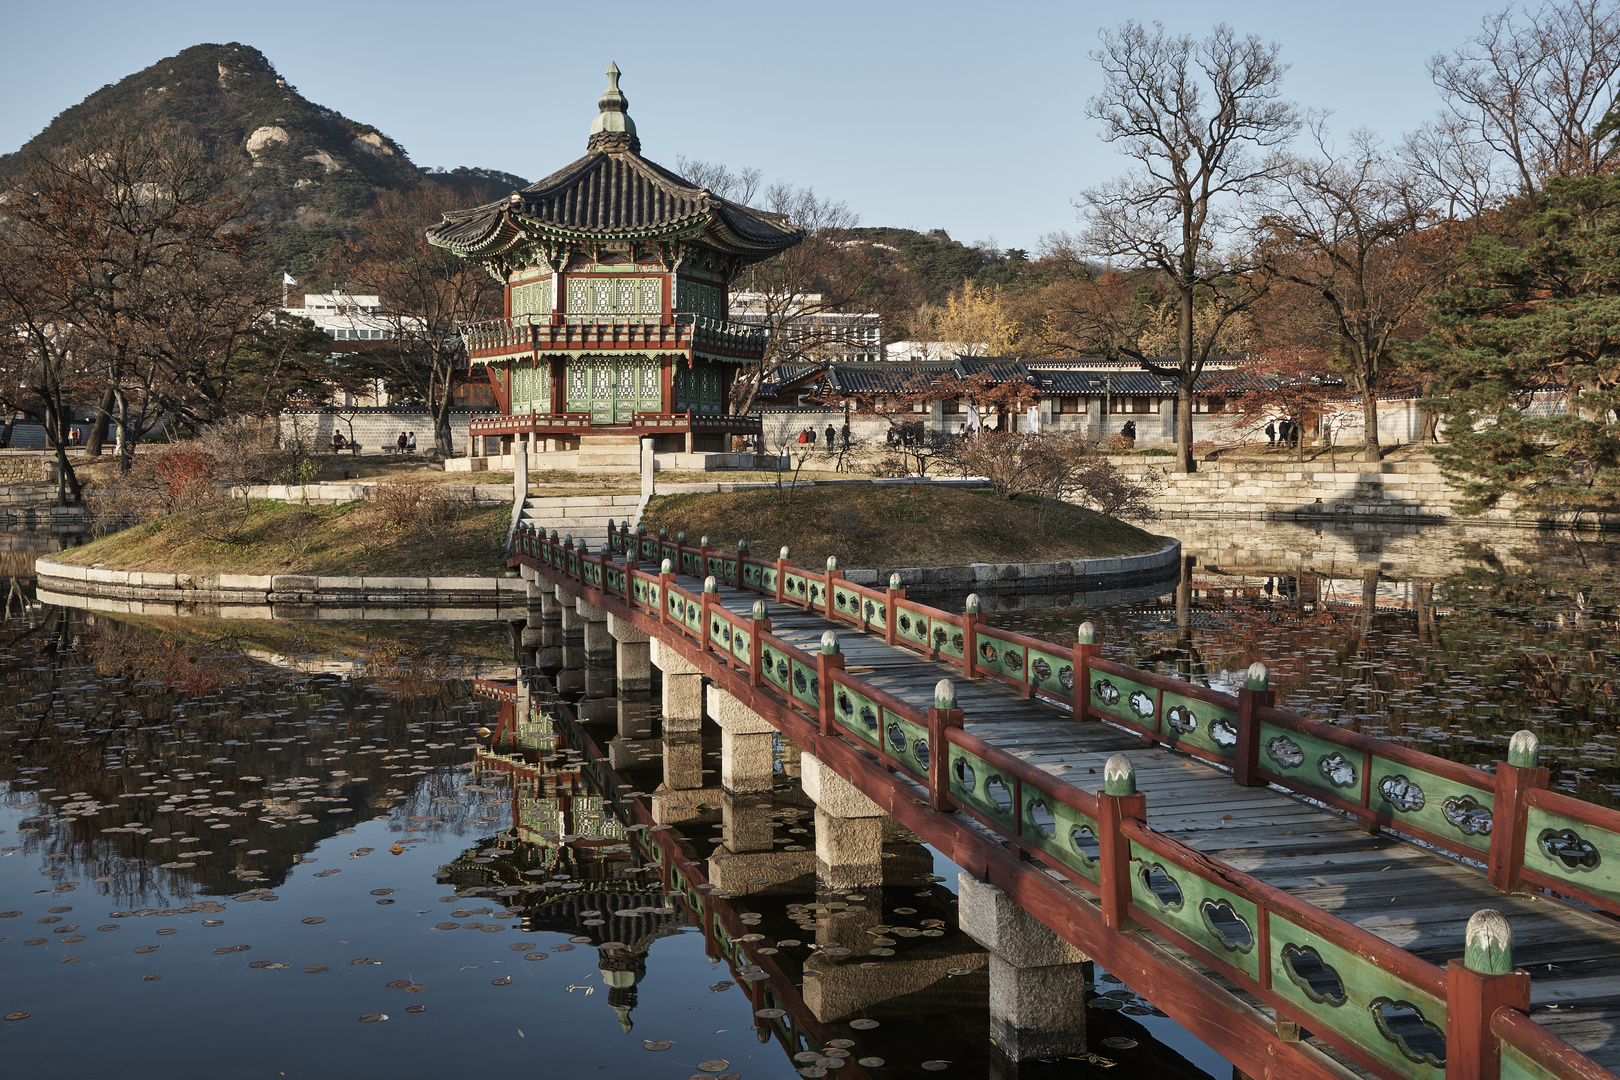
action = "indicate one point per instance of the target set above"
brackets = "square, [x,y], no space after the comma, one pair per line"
[571,619]
[598,641]
[683,688]
[633,657]
[1037,980]
[849,828]
[747,744]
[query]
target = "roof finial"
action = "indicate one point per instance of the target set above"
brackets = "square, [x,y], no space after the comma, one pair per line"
[613,129]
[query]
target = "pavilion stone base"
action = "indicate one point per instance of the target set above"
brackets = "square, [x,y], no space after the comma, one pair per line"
[570,461]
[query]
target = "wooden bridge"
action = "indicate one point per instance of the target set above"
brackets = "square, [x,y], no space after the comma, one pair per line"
[1305,900]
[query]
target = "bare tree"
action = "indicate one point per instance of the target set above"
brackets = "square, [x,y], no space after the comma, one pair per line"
[1201,120]
[427,295]
[1531,88]
[1346,230]
[738,187]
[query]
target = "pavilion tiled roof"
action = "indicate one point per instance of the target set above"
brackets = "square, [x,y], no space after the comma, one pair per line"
[613,193]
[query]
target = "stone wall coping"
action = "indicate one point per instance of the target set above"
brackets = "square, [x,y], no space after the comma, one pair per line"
[973,574]
[144,585]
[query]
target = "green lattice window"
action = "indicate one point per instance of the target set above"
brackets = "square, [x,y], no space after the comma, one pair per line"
[615,295]
[700,387]
[533,298]
[697,297]
[613,388]
[531,389]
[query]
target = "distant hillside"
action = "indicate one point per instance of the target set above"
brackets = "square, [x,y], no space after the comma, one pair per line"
[314,171]
[937,264]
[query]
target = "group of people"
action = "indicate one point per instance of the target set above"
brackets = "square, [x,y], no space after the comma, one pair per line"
[405,444]
[1282,432]
[807,437]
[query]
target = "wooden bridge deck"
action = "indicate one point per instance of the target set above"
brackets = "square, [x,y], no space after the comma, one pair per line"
[1411,897]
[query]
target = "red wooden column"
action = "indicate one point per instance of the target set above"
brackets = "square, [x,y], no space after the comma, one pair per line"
[1515,777]
[970,636]
[944,714]
[833,575]
[896,593]
[784,559]
[1256,692]
[1477,986]
[757,628]
[1086,649]
[1117,801]
[828,660]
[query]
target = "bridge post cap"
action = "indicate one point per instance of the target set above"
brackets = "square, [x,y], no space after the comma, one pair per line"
[710,585]
[832,563]
[667,567]
[704,542]
[680,537]
[742,547]
[554,535]
[641,528]
[759,609]
[1119,776]
[972,605]
[1488,943]
[568,538]
[944,694]
[1086,633]
[606,552]
[1524,749]
[785,553]
[663,533]
[829,643]
[1258,677]
[894,581]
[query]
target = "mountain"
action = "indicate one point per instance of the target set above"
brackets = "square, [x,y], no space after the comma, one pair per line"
[314,171]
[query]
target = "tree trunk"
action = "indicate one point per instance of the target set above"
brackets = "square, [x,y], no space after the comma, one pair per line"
[1184,339]
[1184,435]
[442,440]
[126,450]
[98,426]
[1369,420]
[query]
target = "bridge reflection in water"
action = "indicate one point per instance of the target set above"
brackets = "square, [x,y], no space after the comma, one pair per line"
[622,834]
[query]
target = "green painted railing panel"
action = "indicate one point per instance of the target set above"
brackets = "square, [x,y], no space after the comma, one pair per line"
[1124,699]
[739,644]
[1311,762]
[818,593]
[1515,1066]
[972,780]
[1573,851]
[776,668]
[1346,1000]
[795,586]
[767,579]
[847,602]
[1224,922]
[1200,725]
[805,686]
[1458,812]
[753,576]
[945,638]
[642,592]
[912,627]
[1051,673]
[1063,833]
[857,714]
[901,736]
[678,606]
[720,632]
[1002,657]
[694,617]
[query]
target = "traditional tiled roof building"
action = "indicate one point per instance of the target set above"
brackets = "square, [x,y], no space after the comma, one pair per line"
[617,274]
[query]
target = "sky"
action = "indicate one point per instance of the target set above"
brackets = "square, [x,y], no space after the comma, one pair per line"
[964,117]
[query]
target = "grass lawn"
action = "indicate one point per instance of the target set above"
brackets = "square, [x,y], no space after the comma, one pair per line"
[276,538]
[897,525]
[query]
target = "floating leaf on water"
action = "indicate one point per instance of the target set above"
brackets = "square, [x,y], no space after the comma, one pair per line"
[935,1066]
[311,920]
[383,892]
[316,969]
[958,971]
[841,1044]
[611,945]
[213,922]
[151,978]
[871,1062]
[166,932]
[415,1008]
[155,948]
[717,1065]
[863,1025]
[880,952]
[446,926]
[535,956]
[398,984]
[657,1044]
[501,982]
[521,946]
[1105,1003]
[805,1057]
[580,940]
[365,960]
[769,1014]
[1119,1042]
[18,1015]
[372,1018]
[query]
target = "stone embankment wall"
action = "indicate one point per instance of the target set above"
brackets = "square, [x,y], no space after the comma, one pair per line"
[353,597]
[1065,576]
[1404,491]
[327,493]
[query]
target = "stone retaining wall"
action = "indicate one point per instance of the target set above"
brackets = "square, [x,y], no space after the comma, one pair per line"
[276,589]
[328,492]
[1064,576]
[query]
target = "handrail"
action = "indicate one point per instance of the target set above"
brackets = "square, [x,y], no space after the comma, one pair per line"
[1298,977]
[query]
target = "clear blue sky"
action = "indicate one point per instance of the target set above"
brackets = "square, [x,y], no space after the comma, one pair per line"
[943,114]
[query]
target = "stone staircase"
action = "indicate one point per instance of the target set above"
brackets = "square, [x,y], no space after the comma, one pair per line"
[609,454]
[587,517]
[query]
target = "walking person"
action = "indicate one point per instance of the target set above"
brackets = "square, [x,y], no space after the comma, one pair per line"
[1271,433]
[832,438]
[1282,431]
[846,434]
[810,432]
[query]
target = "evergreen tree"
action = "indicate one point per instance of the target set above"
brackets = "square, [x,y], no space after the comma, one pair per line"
[1532,319]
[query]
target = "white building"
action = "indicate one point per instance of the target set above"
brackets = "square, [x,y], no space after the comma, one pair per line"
[350,317]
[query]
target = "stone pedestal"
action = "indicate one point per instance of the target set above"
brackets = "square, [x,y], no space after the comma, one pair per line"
[849,828]
[1037,980]
[682,689]
[633,658]
[747,744]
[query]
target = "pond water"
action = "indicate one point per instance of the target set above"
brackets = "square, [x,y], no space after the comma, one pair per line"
[283,849]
